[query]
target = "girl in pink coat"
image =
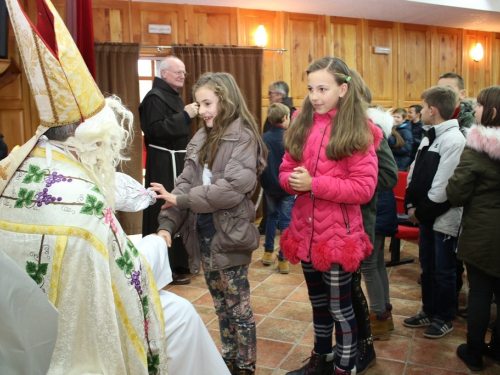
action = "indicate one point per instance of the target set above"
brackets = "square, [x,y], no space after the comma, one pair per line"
[330,164]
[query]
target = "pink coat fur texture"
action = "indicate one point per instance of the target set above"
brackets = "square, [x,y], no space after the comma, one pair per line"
[328,228]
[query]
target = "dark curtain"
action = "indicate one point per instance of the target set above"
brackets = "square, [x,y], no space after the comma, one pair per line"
[116,73]
[243,63]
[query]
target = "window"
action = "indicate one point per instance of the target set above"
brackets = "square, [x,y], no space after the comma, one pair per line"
[147,67]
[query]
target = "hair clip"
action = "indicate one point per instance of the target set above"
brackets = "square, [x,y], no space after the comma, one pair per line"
[348,79]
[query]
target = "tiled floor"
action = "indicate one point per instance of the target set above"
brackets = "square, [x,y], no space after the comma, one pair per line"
[284,323]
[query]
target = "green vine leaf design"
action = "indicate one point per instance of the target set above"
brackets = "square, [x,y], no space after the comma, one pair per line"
[153,363]
[92,205]
[132,248]
[34,174]
[36,271]
[125,263]
[96,189]
[145,305]
[24,198]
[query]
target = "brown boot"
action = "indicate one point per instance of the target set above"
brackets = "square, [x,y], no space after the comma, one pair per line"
[380,326]
[388,307]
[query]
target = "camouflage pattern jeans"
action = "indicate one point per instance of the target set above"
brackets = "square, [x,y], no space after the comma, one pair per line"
[230,292]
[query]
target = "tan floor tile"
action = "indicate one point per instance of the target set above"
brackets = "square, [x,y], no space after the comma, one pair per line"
[294,311]
[405,307]
[291,279]
[424,370]
[386,367]
[396,348]
[436,353]
[255,274]
[263,305]
[308,339]
[270,353]
[402,291]
[204,300]
[282,330]
[273,291]
[300,295]
[207,314]
[198,281]
[297,358]
[188,292]
[399,328]
[264,371]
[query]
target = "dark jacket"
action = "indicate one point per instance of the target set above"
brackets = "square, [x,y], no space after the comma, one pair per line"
[269,179]
[387,176]
[402,155]
[475,185]
[164,124]
[437,158]
[465,117]
[416,131]
[4,151]
[228,198]
[289,103]
[387,217]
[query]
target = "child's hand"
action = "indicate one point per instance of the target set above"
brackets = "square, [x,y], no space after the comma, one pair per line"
[171,199]
[412,217]
[165,234]
[300,179]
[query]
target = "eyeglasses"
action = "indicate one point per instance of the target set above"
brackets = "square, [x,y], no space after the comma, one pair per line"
[271,92]
[177,72]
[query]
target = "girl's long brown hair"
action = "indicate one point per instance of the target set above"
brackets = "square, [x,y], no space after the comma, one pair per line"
[350,127]
[400,142]
[231,106]
[489,98]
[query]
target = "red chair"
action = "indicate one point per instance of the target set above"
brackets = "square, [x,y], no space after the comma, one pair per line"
[405,232]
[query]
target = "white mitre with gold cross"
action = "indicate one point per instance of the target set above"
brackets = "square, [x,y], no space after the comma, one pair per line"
[61,84]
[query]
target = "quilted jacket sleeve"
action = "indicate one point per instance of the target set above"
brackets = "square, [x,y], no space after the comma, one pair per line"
[357,188]
[240,178]
[286,169]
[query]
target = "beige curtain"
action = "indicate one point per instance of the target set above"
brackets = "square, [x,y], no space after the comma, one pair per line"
[116,73]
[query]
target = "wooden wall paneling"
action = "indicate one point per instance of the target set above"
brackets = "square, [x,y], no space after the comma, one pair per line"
[446,52]
[346,41]
[381,70]
[477,74]
[111,21]
[414,69]
[144,14]
[495,59]
[304,39]
[212,25]
[272,68]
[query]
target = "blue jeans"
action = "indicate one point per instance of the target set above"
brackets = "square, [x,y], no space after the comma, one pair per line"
[438,263]
[279,212]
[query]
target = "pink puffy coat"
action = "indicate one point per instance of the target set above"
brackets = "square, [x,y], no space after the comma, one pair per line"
[326,225]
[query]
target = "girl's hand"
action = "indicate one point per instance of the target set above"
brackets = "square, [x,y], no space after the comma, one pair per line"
[165,234]
[170,199]
[300,179]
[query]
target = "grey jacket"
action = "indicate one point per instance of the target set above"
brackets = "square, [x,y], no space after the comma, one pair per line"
[228,198]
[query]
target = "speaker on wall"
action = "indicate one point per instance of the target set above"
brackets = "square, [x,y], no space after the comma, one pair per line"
[4,31]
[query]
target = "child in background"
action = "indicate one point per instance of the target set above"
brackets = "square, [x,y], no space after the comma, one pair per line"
[330,164]
[211,208]
[279,202]
[401,150]
[475,185]
[427,204]
[415,119]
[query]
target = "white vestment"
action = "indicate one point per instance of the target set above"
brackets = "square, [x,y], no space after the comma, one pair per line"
[190,348]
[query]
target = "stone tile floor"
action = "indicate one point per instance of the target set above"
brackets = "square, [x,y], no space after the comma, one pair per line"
[284,322]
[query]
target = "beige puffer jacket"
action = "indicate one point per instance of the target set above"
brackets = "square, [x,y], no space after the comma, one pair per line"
[234,179]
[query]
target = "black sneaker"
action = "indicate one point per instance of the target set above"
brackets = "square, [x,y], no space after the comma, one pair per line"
[419,320]
[438,329]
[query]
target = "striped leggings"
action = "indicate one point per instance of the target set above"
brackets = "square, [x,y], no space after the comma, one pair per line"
[330,296]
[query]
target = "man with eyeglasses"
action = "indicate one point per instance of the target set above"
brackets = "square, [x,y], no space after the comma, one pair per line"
[165,122]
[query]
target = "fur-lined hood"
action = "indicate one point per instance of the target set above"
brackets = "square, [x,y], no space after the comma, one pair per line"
[485,139]
[382,119]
